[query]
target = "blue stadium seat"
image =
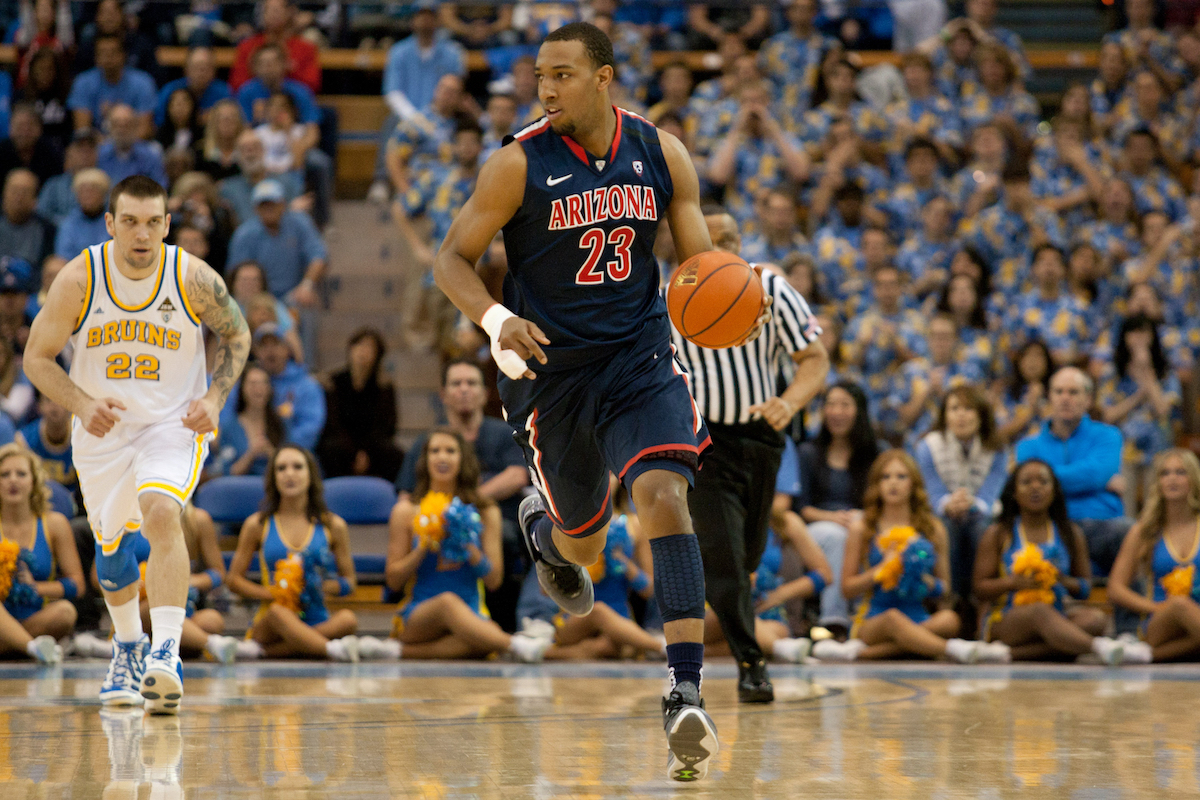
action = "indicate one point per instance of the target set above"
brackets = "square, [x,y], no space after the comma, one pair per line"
[61,499]
[230,500]
[360,500]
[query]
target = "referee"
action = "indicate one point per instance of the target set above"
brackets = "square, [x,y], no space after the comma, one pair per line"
[731,504]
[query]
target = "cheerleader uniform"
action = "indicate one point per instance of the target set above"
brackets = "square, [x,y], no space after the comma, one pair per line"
[878,599]
[1052,550]
[41,567]
[435,575]
[1169,572]
[274,550]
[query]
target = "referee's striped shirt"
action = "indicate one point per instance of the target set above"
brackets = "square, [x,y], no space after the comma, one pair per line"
[726,383]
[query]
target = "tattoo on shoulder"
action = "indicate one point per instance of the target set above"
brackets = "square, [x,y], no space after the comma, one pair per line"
[212,302]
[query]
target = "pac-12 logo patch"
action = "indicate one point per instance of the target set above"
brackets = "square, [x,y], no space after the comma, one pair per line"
[637,167]
[166,308]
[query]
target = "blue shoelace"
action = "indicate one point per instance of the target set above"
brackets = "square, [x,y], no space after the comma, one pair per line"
[122,666]
[164,652]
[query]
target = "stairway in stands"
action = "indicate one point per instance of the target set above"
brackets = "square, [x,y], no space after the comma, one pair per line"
[370,274]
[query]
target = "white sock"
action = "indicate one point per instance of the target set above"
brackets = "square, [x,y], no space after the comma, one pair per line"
[32,649]
[1110,651]
[961,650]
[249,650]
[166,622]
[127,620]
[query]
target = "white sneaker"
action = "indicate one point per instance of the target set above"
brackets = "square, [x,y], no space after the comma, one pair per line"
[162,685]
[123,730]
[46,650]
[661,653]
[1111,651]
[372,649]
[528,649]
[89,645]
[249,650]
[1138,653]
[994,653]
[833,650]
[379,193]
[222,648]
[343,649]
[962,651]
[792,650]
[538,628]
[122,685]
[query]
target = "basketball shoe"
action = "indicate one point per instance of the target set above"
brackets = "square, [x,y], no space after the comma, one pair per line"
[123,684]
[691,734]
[162,683]
[570,586]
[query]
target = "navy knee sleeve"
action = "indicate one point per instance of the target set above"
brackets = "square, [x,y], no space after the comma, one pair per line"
[678,577]
[120,569]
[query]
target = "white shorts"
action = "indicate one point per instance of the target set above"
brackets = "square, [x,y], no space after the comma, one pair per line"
[115,470]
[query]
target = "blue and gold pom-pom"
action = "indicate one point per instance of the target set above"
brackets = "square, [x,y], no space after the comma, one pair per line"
[918,561]
[463,526]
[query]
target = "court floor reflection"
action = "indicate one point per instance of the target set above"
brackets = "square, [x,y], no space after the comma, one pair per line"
[591,731]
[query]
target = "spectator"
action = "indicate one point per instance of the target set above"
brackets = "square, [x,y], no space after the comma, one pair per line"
[964,468]
[1031,617]
[110,83]
[1146,46]
[1154,189]
[194,202]
[925,256]
[777,235]
[1149,109]
[43,25]
[844,170]
[200,81]
[251,430]
[631,49]
[1086,458]
[180,128]
[920,385]
[979,23]
[299,54]
[24,233]
[17,282]
[886,335]
[1068,173]
[999,94]
[977,185]
[124,154]
[248,284]
[299,400]
[285,243]
[837,98]
[286,142]
[1109,91]
[217,152]
[1164,262]
[16,392]
[47,89]
[708,23]
[833,471]
[27,147]
[923,114]
[1050,313]
[953,56]
[734,60]
[361,422]
[49,438]
[904,205]
[961,299]
[757,137]
[191,240]
[238,189]
[1024,399]
[504,474]
[474,25]
[424,140]
[675,85]
[110,20]
[792,60]
[1093,285]
[1115,234]
[1140,394]
[524,89]
[501,119]
[1180,341]
[84,226]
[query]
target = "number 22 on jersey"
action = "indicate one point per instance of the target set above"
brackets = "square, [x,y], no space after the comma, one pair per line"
[145,367]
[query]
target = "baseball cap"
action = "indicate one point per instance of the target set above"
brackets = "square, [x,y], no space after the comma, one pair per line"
[267,191]
[16,275]
[267,329]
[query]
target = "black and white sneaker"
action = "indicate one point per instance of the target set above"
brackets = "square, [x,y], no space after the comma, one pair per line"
[571,586]
[691,734]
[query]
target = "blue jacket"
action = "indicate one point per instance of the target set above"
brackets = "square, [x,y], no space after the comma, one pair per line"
[299,399]
[1084,464]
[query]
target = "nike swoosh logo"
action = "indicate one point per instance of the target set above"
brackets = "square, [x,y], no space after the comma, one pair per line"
[556,181]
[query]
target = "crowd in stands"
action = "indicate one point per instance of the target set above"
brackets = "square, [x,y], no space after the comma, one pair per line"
[1007,287]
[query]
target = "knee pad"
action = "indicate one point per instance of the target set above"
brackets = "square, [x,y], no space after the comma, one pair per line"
[678,577]
[120,569]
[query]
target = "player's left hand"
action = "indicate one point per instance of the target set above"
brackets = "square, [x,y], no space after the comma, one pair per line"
[202,416]
[776,411]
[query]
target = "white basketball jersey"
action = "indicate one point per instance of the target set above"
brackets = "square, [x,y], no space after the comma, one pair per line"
[139,341]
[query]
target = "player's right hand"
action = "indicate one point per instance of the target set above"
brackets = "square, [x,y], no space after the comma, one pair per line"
[99,417]
[523,338]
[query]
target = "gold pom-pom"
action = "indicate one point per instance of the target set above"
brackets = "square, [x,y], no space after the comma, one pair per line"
[1031,563]
[289,582]
[10,553]
[428,525]
[1179,581]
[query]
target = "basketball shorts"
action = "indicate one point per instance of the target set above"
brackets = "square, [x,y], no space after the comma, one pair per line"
[116,469]
[626,414]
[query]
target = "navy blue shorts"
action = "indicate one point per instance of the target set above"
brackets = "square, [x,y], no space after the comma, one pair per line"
[626,414]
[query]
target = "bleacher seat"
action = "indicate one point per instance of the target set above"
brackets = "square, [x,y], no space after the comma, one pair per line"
[362,500]
[231,499]
[61,499]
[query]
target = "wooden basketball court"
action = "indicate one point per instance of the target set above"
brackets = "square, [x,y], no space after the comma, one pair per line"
[495,730]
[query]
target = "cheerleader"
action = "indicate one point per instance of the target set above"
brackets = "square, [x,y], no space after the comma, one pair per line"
[303,552]
[897,556]
[1028,562]
[40,572]
[444,548]
[1164,549]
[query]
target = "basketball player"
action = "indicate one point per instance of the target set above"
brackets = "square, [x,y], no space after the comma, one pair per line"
[144,417]
[578,196]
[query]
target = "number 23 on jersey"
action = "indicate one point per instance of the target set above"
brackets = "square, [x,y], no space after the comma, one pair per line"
[594,241]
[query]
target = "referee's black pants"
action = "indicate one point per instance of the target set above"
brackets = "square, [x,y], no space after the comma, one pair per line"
[731,507]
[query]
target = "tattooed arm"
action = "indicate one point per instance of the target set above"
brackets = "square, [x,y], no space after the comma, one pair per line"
[49,334]
[208,297]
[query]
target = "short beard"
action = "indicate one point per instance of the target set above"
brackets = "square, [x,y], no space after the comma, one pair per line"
[565,129]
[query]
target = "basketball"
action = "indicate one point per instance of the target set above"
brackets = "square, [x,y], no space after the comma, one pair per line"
[714,299]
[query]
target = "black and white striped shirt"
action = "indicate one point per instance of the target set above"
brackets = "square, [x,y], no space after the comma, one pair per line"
[726,383]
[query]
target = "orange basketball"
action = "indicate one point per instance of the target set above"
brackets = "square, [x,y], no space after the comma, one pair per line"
[714,299]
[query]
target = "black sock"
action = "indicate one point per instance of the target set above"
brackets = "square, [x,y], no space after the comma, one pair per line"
[543,540]
[685,663]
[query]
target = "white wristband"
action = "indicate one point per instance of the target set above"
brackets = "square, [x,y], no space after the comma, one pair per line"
[493,320]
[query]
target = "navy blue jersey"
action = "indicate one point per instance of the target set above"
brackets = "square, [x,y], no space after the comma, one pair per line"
[580,249]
